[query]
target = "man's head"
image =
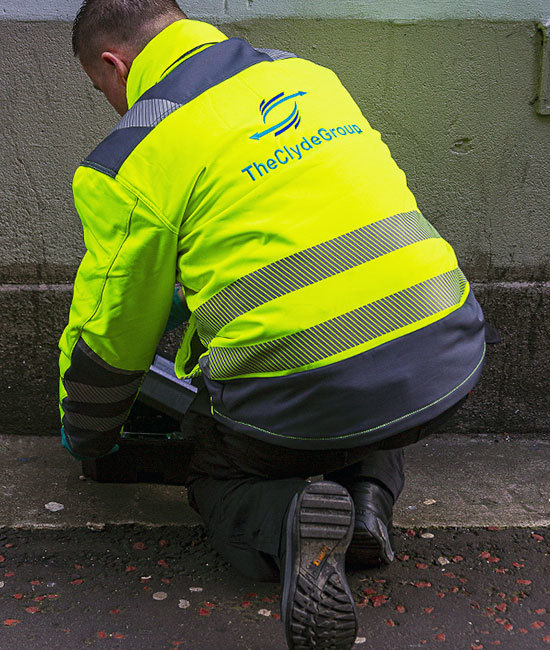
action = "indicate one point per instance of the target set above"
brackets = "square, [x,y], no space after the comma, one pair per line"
[109,34]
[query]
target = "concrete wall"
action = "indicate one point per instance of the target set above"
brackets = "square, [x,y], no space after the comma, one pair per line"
[453,95]
[226,11]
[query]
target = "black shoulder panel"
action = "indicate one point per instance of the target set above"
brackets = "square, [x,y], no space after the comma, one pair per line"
[190,79]
[109,155]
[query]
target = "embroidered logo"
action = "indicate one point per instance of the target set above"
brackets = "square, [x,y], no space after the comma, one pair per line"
[293,119]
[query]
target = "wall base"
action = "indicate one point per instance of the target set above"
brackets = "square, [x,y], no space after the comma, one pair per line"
[512,396]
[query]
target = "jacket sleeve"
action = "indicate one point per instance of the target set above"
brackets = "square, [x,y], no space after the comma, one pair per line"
[121,301]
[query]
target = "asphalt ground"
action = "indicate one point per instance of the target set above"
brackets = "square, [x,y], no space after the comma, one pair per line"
[126,566]
[141,588]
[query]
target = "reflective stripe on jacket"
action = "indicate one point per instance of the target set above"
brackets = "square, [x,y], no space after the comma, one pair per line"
[332,313]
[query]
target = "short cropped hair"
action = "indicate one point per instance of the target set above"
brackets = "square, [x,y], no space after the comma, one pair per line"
[127,21]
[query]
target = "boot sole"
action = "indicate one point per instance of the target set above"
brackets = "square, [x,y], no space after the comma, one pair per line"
[317,604]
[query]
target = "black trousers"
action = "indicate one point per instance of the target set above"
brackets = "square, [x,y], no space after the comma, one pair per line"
[242,487]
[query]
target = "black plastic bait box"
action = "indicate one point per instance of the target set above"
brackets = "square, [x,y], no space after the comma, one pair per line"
[158,437]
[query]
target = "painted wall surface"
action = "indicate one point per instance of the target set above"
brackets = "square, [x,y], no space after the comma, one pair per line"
[231,10]
[452,99]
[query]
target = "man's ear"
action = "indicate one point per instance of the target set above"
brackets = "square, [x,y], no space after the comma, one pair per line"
[121,67]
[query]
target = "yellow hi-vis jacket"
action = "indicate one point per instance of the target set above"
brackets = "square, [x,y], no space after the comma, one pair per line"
[332,314]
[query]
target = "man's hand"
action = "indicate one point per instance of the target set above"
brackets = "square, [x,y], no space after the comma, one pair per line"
[65,444]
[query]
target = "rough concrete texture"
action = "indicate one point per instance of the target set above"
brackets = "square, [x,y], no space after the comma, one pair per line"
[229,10]
[511,397]
[454,103]
[32,319]
[474,482]
[479,481]
[51,116]
[37,471]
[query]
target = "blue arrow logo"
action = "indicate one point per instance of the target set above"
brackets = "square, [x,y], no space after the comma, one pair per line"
[292,120]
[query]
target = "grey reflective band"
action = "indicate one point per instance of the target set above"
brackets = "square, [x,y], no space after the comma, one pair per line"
[96,424]
[147,113]
[99,398]
[402,384]
[276,55]
[342,333]
[166,107]
[309,266]
[87,394]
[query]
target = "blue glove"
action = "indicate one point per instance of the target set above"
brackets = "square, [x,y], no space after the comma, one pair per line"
[178,312]
[65,444]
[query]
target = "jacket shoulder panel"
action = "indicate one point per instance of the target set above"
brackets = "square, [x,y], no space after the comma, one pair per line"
[110,154]
[185,83]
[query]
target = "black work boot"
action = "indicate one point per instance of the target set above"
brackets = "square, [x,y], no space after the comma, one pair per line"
[317,606]
[370,545]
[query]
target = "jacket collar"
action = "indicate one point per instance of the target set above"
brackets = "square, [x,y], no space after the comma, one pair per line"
[157,58]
